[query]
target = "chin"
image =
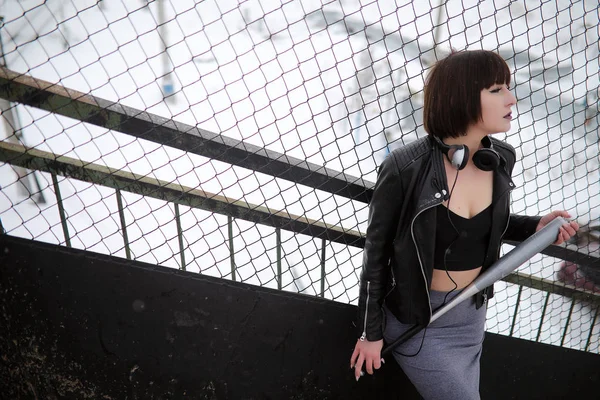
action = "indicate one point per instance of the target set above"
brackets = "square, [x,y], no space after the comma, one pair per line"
[506,127]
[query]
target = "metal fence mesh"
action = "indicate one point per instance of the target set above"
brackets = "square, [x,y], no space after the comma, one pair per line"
[244,130]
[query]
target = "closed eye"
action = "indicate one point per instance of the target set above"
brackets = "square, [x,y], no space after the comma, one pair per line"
[499,89]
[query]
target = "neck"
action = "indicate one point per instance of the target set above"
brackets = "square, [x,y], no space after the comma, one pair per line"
[471,140]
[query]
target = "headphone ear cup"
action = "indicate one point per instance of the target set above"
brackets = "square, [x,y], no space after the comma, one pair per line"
[460,156]
[486,159]
[457,154]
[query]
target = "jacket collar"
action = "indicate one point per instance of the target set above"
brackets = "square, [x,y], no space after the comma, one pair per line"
[435,188]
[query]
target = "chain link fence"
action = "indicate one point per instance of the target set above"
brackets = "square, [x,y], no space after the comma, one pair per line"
[240,139]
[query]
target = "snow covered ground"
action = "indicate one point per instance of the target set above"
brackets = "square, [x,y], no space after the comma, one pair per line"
[338,83]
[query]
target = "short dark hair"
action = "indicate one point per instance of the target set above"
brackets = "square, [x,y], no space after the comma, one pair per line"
[453,90]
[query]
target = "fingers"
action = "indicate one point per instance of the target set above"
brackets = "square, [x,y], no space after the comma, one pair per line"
[566,232]
[354,356]
[377,363]
[561,213]
[570,229]
[369,366]
[554,214]
[559,238]
[367,354]
[358,367]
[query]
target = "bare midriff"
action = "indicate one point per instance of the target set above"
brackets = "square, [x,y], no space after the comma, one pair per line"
[441,282]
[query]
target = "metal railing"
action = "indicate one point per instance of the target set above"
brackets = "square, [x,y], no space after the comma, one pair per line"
[241,139]
[57,99]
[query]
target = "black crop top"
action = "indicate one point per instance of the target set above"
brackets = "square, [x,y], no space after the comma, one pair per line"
[466,249]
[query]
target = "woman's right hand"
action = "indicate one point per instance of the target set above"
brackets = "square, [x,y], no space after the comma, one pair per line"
[368,353]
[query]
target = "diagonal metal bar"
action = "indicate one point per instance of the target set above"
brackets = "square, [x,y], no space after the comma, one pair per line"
[34,159]
[123,224]
[546,300]
[514,321]
[565,253]
[550,286]
[51,97]
[180,238]
[61,211]
[231,247]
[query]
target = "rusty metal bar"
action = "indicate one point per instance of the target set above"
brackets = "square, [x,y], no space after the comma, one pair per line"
[73,168]
[278,244]
[537,339]
[231,249]
[589,339]
[565,253]
[550,286]
[180,237]
[143,185]
[61,211]
[57,99]
[123,224]
[323,247]
[564,335]
[514,321]
[97,111]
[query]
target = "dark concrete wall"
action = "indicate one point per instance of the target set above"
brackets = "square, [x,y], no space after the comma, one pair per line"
[79,325]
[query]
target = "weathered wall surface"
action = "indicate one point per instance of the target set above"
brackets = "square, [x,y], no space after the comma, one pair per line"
[85,326]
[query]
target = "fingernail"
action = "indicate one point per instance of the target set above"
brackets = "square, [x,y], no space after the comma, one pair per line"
[382,361]
[362,373]
[357,379]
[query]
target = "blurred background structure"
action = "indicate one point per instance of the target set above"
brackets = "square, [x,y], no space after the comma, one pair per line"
[240,139]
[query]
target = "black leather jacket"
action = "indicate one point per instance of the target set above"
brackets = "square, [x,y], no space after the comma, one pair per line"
[400,238]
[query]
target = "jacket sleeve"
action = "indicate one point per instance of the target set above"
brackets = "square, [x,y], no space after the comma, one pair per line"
[384,212]
[520,227]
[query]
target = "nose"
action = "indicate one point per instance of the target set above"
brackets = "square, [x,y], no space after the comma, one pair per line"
[510,98]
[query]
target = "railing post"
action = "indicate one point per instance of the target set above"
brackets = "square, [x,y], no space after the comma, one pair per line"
[589,339]
[61,211]
[514,321]
[537,339]
[123,224]
[278,245]
[180,236]
[231,250]
[323,247]
[562,340]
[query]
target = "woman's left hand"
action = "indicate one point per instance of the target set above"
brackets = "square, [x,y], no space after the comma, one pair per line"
[566,231]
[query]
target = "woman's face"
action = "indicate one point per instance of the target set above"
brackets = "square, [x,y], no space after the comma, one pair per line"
[496,104]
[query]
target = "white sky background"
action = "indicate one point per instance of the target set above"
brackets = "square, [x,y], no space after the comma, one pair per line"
[297,93]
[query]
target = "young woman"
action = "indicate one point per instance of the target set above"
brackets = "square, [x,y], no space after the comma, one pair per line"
[439,213]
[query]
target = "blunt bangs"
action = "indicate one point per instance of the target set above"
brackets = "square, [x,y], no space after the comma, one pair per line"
[488,69]
[452,95]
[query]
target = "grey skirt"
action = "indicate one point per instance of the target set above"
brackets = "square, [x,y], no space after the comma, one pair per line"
[442,361]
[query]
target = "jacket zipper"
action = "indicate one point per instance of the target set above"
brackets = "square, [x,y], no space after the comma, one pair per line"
[412,233]
[364,334]
[393,282]
[510,183]
[507,222]
[485,296]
